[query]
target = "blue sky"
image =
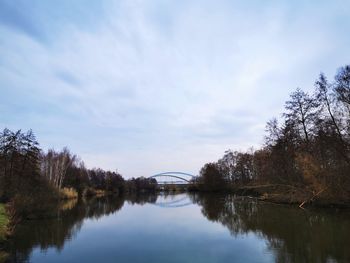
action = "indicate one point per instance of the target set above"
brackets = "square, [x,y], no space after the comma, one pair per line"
[151,86]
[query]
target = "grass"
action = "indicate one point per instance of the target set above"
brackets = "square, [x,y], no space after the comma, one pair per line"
[4,220]
[68,193]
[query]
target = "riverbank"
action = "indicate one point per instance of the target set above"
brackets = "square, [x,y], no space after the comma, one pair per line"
[4,221]
[288,194]
[71,193]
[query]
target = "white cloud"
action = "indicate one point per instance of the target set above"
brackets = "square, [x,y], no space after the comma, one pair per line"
[157,86]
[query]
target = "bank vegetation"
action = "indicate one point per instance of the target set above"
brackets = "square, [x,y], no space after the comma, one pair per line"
[306,155]
[34,182]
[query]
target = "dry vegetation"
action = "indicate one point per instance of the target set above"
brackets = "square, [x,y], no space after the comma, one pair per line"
[306,156]
[68,193]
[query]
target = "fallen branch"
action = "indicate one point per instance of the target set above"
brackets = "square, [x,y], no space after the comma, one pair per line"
[312,198]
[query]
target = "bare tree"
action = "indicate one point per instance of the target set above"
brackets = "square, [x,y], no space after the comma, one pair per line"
[326,102]
[342,92]
[301,111]
[54,165]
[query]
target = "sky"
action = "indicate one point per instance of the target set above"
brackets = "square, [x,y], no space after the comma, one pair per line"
[152,86]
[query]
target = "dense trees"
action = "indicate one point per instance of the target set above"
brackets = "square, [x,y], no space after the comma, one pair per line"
[21,183]
[141,184]
[32,174]
[211,178]
[32,180]
[63,169]
[54,166]
[105,180]
[310,149]
[19,163]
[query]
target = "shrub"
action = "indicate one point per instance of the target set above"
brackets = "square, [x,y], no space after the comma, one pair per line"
[68,193]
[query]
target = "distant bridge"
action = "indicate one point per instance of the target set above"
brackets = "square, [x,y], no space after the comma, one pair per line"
[184,178]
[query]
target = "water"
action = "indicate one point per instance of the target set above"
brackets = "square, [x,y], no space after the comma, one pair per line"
[184,228]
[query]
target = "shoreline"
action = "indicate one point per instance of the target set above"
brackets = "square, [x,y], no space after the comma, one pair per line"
[291,195]
[275,193]
[4,222]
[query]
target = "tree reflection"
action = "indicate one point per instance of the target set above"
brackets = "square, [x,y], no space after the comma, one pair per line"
[141,198]
[292,234]
[54,232]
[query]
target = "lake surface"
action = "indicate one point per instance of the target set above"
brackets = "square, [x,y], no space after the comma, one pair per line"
[183,228]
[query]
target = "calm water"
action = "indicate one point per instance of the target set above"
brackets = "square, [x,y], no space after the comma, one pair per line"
[184,228]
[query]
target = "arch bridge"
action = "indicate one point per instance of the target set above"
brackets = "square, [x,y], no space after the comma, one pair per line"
[180,177]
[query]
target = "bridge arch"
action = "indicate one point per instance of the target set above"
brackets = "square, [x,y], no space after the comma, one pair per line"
[185,177]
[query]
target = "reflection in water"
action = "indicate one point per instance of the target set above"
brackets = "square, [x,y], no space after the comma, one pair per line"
[54,232]
[173,201]
[68,204]
[293,234]
[290,234]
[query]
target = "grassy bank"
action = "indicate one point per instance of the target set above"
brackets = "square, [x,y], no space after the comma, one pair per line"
[4,220]
[68,193]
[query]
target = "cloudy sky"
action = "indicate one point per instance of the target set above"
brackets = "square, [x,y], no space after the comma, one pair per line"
[151,86]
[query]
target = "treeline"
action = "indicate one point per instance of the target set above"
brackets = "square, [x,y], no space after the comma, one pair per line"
[65,170]
[32,180]
[308,148]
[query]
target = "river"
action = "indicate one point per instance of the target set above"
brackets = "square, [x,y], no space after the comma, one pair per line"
[183,228]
